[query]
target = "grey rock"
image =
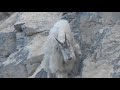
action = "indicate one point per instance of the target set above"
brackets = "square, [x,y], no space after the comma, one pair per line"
[36,59]
[7,43]
[116,75]
[2,59]
[37,21]
[17,57]
[89,33]
[20,40]
[4,15]
[18,27]
[13,71]
[42,74]
[29,31]
[31,68]
[14,66]
[36,49]
[106,51]
[9,22]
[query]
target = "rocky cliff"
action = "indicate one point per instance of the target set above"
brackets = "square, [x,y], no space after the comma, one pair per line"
[22,36]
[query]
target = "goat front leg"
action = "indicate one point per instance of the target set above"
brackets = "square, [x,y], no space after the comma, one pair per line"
[36,72]
[61,75]
[49,75]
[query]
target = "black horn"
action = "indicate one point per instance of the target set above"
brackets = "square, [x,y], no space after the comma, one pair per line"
[59,41]
[65,38]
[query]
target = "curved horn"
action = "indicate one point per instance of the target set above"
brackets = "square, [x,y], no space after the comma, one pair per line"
[59,41]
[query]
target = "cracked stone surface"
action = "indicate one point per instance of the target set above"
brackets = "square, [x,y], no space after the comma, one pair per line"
[23,34]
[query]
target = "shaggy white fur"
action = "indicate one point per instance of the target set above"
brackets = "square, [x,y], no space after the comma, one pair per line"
[53,61]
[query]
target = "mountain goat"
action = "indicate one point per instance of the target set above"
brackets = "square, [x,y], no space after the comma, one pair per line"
[61,51]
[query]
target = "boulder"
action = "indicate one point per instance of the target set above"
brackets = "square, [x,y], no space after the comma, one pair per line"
[4,15]
[29,57]
[17,57]
[36,53]
[9,22]
[105,55]
[36,22]
[7,43]
[13,71]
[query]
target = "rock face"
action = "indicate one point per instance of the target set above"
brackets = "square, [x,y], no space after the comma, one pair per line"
[7,43]
[4,15]
[97,35]
[37,22]
[23,34]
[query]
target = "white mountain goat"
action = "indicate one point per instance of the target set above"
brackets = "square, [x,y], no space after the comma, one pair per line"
[61,51]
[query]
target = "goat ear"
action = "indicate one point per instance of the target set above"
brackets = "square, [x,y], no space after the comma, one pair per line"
[58,41]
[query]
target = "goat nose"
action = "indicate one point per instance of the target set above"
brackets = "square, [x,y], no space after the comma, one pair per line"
[69,58]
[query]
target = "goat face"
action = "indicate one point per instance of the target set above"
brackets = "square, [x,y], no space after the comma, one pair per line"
[67,50]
